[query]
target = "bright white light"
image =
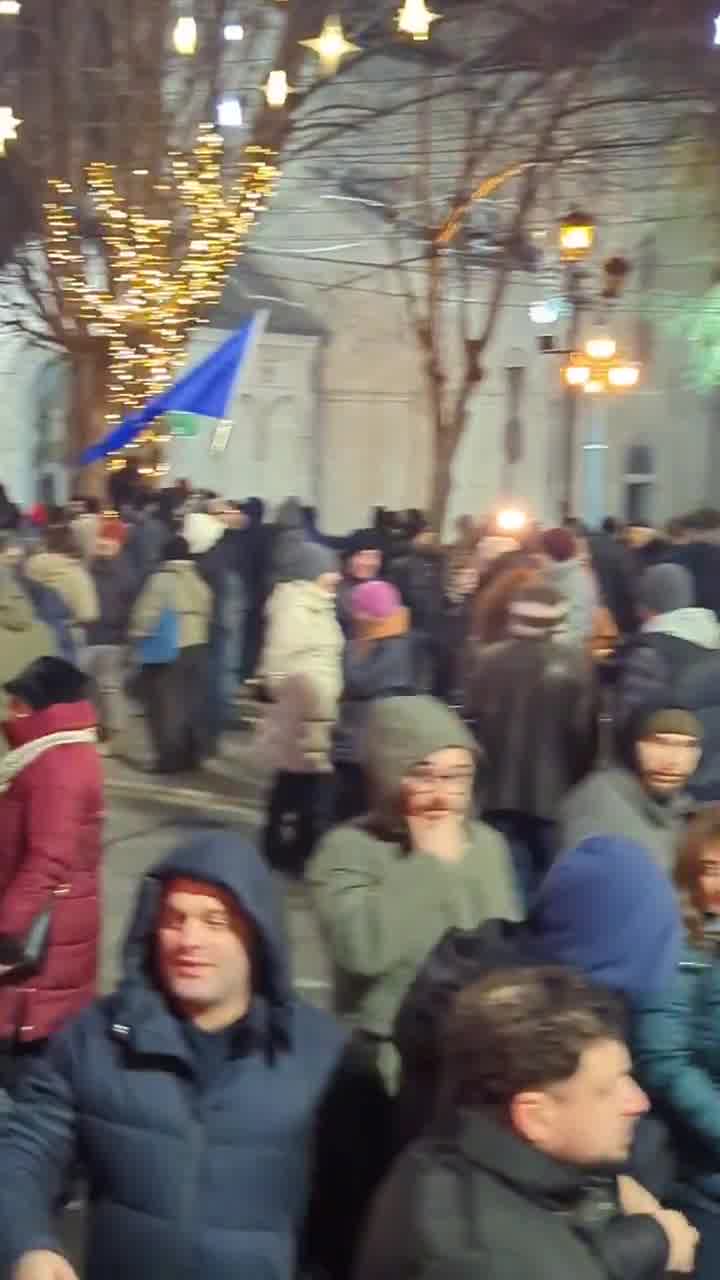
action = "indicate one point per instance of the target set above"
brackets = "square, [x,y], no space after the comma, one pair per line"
[512,520]
[9,125]
[234,31]
[10,7]
[185,36]
[717,29]
[545,312]
[624,376]
[230,113]
[601,348]
[277,89]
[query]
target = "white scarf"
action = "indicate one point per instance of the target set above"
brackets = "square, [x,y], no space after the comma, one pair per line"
[15,761]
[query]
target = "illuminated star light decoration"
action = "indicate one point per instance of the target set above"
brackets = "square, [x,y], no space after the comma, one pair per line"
[414,19]
[331,45]
[9,125]
[152,296]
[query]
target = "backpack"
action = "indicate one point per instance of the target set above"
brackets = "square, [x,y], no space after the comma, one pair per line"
[162,646]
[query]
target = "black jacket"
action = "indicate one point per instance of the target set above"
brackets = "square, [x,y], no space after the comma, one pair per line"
[117,583]
[533,707]
[615,572]
[420,578]
[187,1177]
[473,1200]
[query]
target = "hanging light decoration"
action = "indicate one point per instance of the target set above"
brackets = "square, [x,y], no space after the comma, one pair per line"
[185,37]
[331,46]
[277,89]
[230,113]
[234,31]
[414,19]
[9,125]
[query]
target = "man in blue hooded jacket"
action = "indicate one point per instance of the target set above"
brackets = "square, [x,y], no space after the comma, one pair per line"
[192,1096]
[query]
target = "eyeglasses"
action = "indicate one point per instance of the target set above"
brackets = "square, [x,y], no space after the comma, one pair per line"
[425,781]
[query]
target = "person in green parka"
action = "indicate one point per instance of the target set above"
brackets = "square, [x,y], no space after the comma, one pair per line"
[387,887]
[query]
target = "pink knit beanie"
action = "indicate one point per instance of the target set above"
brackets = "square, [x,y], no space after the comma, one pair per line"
[375,600]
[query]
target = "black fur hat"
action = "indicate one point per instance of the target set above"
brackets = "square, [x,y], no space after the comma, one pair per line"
[48,681]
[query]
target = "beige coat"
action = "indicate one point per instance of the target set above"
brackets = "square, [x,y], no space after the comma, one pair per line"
[302,670]
[23,637]
[175,585]
[70,580]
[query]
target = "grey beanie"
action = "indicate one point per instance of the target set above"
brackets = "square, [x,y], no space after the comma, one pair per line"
[311,560]
[666,587]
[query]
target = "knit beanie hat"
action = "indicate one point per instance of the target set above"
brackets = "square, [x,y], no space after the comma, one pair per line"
[376,599]
[666,587]
[537,611]
[361,540]
[113,530]
[311,560]
[673,720]
[648,719]
[608,910]
[48,681]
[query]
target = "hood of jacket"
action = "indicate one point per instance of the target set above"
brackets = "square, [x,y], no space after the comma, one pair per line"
[300,594]
[225,861]
[608,910]
[290,515]
[401,733]
[51,568]
[698,626]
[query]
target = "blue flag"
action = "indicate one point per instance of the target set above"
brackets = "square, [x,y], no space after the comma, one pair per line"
[205,391]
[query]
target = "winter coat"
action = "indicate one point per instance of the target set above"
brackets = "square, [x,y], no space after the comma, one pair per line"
[145,545]
[23,637]
[679,653]
[576,583]
[51,823]
[655,660]
[186,1174]
[116,584]
[615,573]
[614,802]
[70,579]
[50,608]
[605,910]
[702,560]
[420,578]
[372,669]
[381,906]
[302,669]
[533,704]
[175,585]
[676,1053]
[474,1200]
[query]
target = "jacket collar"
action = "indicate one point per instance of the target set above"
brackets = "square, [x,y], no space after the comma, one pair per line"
[660,812]
[493,1147]
[63,717]
[142,1019]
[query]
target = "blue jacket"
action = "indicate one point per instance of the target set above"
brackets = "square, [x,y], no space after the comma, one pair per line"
[185,1179]
[676,1041]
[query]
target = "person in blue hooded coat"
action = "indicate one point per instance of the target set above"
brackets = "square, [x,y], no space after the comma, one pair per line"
[194,1095]
[605,909]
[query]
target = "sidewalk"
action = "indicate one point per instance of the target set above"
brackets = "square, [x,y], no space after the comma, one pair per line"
[235,782]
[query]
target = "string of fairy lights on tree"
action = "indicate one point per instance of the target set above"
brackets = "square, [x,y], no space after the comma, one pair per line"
[152,294]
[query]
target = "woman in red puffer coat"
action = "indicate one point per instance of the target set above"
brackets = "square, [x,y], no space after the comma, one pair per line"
[51,809]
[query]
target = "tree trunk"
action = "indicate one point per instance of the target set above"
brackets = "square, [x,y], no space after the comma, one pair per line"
[445,443]
[87,425]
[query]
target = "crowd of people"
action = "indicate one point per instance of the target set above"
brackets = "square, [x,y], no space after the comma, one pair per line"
[496,771]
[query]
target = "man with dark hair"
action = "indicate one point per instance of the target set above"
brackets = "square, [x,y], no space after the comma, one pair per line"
[532,701]
[518,1178]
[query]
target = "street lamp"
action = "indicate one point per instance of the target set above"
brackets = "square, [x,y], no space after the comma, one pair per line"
[185,37]
[577,373]
[577,236]
[622,376]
